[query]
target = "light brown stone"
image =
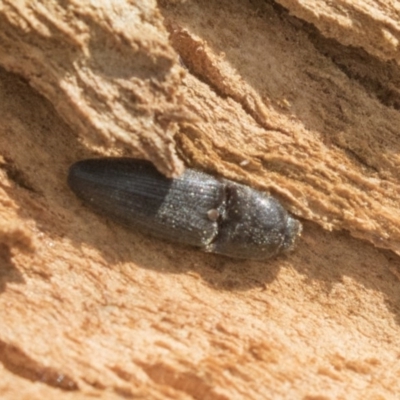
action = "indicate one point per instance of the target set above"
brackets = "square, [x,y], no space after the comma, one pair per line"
[371,25]
[240,89]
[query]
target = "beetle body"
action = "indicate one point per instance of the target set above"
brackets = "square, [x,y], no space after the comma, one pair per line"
[217,215]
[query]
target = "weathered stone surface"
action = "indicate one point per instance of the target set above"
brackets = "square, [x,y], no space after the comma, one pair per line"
[371,25]
[106,67]
[312,134]
[89,309]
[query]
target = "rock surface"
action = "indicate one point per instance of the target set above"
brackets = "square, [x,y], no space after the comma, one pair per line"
[302,101]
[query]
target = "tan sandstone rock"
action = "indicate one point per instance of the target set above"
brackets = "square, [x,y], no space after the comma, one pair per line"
[302,102]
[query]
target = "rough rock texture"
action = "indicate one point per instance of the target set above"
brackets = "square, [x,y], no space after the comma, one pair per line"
[237,88]
[371,25]
[107,68]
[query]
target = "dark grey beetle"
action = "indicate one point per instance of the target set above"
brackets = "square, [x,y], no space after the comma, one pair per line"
[217,215]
